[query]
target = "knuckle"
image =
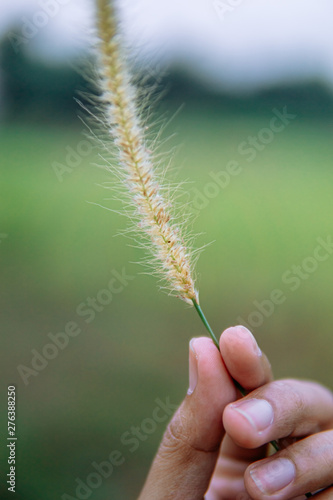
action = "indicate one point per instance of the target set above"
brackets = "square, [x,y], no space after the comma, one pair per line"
[290,406]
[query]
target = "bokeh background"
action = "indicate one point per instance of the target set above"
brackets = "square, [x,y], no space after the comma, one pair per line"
[222,70]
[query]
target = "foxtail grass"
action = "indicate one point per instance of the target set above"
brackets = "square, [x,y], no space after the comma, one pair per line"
[152,210]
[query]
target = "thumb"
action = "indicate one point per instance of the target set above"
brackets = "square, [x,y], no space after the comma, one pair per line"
[185,461]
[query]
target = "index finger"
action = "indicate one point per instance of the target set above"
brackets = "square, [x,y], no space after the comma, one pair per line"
[251,369]
[244,360]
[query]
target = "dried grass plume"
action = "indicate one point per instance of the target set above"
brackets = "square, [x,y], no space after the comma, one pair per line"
[151,205]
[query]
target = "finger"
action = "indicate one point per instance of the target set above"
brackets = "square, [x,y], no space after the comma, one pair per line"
[186,458]
[285,408]
[228,478]
[250,367]
[305,466]
[244,359]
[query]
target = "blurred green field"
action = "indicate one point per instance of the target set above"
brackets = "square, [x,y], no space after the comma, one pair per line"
[60,250]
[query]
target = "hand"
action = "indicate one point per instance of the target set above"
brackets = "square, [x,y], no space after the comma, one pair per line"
[216,447]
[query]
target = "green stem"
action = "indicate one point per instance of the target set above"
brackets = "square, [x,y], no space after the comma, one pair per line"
[205,322]
[239,387]
[214,339]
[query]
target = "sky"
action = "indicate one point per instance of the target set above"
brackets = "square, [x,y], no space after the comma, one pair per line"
[237,45]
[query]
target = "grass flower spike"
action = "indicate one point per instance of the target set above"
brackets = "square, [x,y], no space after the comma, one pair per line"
[151,206]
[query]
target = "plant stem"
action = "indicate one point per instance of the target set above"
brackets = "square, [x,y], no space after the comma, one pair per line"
[205,322]
[239,387]
[214,339]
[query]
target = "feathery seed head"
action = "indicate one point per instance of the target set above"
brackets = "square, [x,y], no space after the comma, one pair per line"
[152,209]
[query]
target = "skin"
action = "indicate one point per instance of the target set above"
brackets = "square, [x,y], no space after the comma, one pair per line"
[213,448]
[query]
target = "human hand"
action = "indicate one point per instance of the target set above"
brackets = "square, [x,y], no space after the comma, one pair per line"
[191,458]
[300,414]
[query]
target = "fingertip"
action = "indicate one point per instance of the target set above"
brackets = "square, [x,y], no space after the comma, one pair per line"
[204,363]
[211,373]
[249,421]
[193,367]
[243,358]
[210,364]
[210,390]
[199,344]
[202,351]
[239,336]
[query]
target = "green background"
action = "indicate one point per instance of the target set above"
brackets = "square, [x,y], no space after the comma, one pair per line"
[59,250]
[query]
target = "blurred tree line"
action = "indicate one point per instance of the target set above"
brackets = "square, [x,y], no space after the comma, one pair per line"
[35,91]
